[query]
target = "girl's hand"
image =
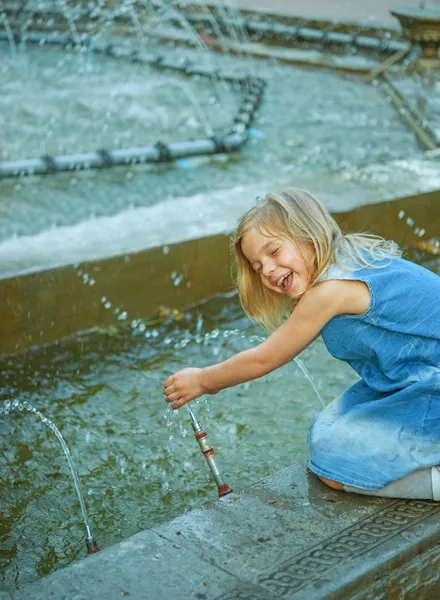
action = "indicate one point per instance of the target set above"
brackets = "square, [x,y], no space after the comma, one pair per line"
[183,386]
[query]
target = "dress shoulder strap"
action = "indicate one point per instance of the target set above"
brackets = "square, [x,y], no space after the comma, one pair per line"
[335,272]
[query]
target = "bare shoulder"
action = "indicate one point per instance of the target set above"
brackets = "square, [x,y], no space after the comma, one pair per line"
[340,296]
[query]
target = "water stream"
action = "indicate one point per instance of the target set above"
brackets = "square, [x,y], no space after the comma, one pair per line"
[18,406]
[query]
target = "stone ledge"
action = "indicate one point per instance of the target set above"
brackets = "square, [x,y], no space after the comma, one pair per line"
[287,536]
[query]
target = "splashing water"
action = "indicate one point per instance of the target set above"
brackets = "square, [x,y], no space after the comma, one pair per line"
[17,406]
[4,20]
[306,373]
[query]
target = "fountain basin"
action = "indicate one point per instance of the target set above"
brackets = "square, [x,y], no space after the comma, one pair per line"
[104,388]
[49,304]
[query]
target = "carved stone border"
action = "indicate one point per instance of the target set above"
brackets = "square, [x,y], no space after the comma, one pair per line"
[364,535]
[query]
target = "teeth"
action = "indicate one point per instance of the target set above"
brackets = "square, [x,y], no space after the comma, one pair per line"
[280,282]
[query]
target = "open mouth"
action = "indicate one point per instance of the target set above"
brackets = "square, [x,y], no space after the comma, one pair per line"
[285,281]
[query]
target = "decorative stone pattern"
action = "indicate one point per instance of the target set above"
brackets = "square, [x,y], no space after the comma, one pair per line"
[352,542]
[349,543]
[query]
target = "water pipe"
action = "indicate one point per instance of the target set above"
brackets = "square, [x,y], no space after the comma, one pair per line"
[101,159]
[312,31]
[230,140]
[208,452]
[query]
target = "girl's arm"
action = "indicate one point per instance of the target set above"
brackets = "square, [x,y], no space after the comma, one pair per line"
[313,311]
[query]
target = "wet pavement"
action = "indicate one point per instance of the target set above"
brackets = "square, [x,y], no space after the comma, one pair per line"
[287,536]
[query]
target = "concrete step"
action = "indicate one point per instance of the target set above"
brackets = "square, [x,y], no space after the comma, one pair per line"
[287,536]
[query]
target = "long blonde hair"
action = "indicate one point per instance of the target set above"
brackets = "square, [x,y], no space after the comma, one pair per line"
[299,216]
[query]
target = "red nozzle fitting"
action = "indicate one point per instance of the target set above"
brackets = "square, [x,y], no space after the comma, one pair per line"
[223,489]
[92,546]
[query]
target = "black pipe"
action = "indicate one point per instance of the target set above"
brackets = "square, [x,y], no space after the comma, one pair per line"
[232,139]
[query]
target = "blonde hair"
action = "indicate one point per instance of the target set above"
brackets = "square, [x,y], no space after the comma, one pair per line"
[299,216]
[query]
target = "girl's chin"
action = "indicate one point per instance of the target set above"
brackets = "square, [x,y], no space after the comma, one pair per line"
[290,293]
[294,293]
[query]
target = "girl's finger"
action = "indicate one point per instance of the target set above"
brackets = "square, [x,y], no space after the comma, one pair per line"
[169,390]
[172,397]
[180,402]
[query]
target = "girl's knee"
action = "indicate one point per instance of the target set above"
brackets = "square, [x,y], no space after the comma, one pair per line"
[333,484]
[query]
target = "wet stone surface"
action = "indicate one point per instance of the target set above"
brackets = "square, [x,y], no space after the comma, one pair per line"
[255,547]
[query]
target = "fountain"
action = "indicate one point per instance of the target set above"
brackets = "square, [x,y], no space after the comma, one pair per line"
[16,406]
[115,272]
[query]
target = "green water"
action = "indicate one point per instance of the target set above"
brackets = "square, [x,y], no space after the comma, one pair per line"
[138,462]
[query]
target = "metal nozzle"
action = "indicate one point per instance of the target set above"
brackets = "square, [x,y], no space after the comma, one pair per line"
[194,422]
[208,452]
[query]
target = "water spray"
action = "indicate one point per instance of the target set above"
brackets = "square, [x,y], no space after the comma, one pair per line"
[16,405]
[208,452]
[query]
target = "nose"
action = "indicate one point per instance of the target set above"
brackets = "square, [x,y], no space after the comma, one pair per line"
[268,268]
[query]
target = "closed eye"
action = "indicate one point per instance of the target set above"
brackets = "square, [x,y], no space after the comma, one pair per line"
[274,251]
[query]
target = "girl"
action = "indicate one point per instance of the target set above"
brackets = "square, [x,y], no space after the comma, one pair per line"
[300,277]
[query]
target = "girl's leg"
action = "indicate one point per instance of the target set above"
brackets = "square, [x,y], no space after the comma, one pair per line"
[333,484]
[418,485]
[338,444]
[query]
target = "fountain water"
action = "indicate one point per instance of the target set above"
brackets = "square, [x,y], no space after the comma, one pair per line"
[338,132]
[118,375]
[20,406]
[9,33]
[139,326]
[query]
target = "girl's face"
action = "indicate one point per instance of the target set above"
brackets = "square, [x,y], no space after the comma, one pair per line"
[279,262]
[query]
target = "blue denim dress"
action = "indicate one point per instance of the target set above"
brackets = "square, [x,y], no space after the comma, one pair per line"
[387,424]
